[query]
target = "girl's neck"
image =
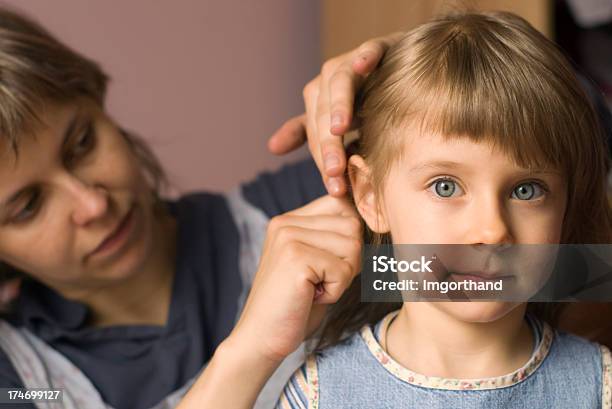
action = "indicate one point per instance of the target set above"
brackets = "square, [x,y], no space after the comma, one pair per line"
[427,340]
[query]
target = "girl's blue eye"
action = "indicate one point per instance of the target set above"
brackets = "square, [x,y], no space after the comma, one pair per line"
[445,187]
[528,191]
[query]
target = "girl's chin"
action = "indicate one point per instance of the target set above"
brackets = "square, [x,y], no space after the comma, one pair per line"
[477,311]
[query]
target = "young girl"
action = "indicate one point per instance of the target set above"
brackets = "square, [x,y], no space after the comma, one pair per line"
[474,131]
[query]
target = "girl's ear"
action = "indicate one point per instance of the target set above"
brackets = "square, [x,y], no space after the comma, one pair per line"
[365,196]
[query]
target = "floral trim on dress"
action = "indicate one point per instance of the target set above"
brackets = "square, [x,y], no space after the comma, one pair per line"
[312,376]
[606,388]
[435,382]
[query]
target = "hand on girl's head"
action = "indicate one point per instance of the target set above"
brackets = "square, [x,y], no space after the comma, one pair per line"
[329,100]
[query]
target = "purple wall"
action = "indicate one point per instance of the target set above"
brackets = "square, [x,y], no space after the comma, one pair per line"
[206,82]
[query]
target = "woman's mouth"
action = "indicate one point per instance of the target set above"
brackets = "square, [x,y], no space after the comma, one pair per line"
[117,239]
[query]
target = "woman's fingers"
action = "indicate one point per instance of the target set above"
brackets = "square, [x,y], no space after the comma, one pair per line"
[339,81]
[330,145]
[347,225]
[324,270]
[329,103]
[326,205]
[343,247]
[290,136]
[310,94]
[369,54]
[343,85]
[348,76]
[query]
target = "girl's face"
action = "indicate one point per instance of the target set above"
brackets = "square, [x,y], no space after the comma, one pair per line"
[458,191]
[74,185]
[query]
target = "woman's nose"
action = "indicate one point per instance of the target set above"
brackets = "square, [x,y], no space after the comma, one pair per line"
[490,224]
[90,202]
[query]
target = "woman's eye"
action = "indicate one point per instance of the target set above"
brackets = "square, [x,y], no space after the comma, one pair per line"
[83,145]
[445,188]
[85,141]
[528,191]
[29,210]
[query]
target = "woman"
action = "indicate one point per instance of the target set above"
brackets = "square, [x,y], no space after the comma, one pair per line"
[125,295]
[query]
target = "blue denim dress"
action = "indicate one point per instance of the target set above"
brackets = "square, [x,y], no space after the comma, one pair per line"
[564,371]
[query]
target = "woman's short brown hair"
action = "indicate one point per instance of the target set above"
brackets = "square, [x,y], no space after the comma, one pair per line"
[37,69]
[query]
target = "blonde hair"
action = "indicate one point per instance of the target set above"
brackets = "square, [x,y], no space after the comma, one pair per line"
[492,78]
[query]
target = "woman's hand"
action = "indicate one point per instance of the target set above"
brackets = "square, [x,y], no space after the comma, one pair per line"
[310,257]
[329,100]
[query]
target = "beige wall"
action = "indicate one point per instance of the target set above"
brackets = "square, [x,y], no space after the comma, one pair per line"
[347,23]
[205,81]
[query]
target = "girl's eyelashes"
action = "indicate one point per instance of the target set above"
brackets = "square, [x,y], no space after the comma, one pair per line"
[529,191]
[445,187]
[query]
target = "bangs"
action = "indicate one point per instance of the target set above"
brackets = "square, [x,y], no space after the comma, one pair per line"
[517,125]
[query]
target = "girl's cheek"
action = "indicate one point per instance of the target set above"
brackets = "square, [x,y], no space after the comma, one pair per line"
[426,224]
[532,225]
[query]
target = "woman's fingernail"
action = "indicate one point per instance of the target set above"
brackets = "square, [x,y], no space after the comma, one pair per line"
[336,119]
[333,185]
[319,290]
[331,161]
[363,57]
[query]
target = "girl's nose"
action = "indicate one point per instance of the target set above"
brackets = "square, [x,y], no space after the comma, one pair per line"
[90,202]
[490,225]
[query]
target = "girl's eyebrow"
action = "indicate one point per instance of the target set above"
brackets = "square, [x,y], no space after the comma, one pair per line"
[442,164]
[445,164]
[69,130]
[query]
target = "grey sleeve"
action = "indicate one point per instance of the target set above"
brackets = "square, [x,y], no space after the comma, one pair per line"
[10,379]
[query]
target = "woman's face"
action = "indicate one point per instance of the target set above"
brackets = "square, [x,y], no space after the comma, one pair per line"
[68,190]
[461,192]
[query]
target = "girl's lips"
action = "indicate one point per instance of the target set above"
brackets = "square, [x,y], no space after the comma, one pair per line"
[478,277]
[118,237]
